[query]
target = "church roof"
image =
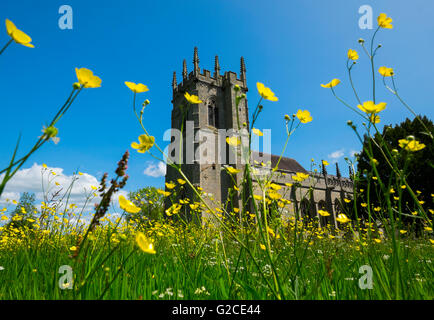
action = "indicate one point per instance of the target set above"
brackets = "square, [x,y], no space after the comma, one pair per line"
[285,164]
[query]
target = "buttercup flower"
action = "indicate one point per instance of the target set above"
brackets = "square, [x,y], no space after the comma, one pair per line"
[257,132]
[232,170]
[371,107]
[384,21]
[18,35]
[192,98]
[303,116]
[136,88]
[411,145]
[265,92]
[353,55]
[233,141]
[385,71]
[325,162]
[323,213]
[374,118]
[127,205]
[299,177]
[144,244]
[342,218]
[87,79]
[331,84]
[170,185]
[146,143]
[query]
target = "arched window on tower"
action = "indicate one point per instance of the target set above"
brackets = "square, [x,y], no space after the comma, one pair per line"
[213,119]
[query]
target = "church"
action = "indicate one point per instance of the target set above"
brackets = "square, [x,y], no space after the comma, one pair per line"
[218,113]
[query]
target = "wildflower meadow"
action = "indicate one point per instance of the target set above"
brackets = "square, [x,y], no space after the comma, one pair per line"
[165,246]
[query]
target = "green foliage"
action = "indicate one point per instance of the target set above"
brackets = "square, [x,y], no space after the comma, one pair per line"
[418,166]
[150,201]
[25,209]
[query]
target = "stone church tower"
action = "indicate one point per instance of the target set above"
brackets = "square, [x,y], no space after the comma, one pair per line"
[201,124]
[205,151]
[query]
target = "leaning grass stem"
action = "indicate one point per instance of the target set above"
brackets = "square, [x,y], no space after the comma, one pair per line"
[7,45]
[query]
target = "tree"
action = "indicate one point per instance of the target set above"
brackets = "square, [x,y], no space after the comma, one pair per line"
[24,210]
[418,166]
[151,202]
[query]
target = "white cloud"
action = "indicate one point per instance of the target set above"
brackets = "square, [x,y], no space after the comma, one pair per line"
[336,155]
[155,170]
[43,182]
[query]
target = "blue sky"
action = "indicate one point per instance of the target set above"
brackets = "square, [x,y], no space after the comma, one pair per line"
[291,46]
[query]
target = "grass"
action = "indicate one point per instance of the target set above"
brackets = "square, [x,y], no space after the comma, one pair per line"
[200,263]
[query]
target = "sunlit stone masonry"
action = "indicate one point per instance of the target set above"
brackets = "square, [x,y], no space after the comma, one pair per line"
[205,152]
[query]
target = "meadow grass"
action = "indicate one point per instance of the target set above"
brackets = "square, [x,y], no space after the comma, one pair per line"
[195,263]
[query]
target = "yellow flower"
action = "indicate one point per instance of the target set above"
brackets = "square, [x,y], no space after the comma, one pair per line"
[87,79]
[353,55]
[257,132]
[44,166]
[232,170]
[127,205]
[377,240]
[192,98]
[275,186]
[411,145]
[136,88]
[288,184]
[384,21]
[304,116]
[364,205]
[262,246]
[299,177]
[274,195]
[374,118]
[146,143]
[181,181]
[342,218]
[323,213]
[164,193]
[371,107]
[347,200]
[194,206]
[233,141]
[331,84]
[428,229]
[325,162]
[18,35]
[73,248]
[265,92]
[402,231]
[144,244]
[170,185]
[386,72]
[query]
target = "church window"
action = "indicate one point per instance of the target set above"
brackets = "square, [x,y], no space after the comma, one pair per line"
[212,114]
